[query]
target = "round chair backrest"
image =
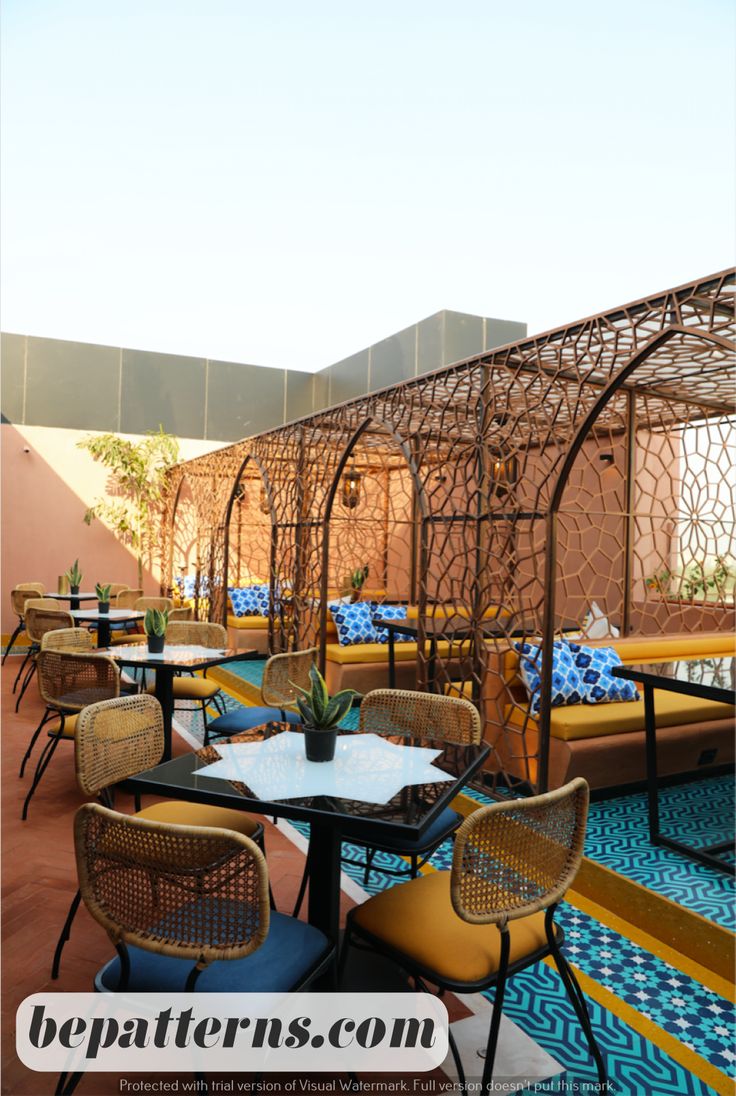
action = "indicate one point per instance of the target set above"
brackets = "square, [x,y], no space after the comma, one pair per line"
[70,681]
[126,599]
[23,593]
[420,715]
[40,619]
[160,603]
[282,672]
[76,640]
[116,588]
[116,739]
[199,633]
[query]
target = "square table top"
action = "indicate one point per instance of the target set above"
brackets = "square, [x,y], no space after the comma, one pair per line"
[406,811]
[113,614]
[176,656]
[73,597]
[709,678]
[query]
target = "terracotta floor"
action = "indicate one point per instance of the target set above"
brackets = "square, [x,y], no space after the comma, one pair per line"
[39,880]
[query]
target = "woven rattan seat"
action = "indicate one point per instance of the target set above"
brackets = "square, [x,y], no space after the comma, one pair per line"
[492,915]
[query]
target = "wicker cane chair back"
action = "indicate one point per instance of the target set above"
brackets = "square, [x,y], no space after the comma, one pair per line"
[69,681]
[182,613]
[160,603]
[195,893]
[76,640]
[41,618]
[201,633]
[280,671]
[126,599]
[420,715]
[24,592]
[516,858]
[116,588]
[116,739]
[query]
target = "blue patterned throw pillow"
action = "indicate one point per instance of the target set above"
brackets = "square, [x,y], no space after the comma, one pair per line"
[594,665]
[391,612]
[567,684]
[354,623]
[250,600]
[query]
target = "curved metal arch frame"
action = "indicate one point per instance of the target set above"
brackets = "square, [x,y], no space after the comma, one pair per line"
[548,626]
[419,495]
[249,458]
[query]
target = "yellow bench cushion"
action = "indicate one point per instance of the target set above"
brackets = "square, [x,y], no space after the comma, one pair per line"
[578,721]
[664,648]
[441,941]
[378,652]
[247,621]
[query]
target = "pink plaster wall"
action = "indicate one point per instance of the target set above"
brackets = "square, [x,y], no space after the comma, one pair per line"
[47,484]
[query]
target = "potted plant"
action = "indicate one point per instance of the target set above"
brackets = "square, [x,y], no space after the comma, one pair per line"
[155,623]
[321,715]
[74,575]
[103,597]
[353,583]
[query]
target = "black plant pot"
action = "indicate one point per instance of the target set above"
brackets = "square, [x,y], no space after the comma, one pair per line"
[319,744]
[156,644]
[73,589]
[103,606]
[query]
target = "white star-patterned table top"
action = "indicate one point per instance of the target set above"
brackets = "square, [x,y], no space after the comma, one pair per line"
[366,768]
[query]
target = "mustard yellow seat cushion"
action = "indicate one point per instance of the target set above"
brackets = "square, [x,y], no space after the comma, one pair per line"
[131,637]
[199,814]
[579,721]
[663,648]
[378,652]
[70,724]
[191,688]
[418,920]
[247,621]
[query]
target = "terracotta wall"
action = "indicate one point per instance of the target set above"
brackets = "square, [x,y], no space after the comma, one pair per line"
[47,484]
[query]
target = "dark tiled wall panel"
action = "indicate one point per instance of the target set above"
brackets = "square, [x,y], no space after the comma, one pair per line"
[12,352]
[72,384]
[162,390]
[243,400]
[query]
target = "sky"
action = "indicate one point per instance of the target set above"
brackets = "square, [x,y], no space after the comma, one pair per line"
[286,183]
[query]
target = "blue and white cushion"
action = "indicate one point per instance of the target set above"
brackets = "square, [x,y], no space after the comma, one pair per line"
[250,600]
[188,587]
[390,612]
[567,683]
[354,623]
[594,665]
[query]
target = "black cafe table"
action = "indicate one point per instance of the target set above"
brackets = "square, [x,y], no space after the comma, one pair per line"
[407,813]
[73,599]
[105,620]
[174,660]
[707,678]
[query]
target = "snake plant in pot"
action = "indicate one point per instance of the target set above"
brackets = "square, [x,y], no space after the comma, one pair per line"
[155,623]
[74,575]
[321,715]
[103,597]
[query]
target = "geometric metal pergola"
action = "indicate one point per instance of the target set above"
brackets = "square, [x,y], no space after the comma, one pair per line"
[592,463]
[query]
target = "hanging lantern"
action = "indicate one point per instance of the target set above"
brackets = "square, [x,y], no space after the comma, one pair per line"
[504,473]
[351,488]
[264,505]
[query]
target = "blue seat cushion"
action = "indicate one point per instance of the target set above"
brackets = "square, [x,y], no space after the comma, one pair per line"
[291,949]
[245,719]
[446,824]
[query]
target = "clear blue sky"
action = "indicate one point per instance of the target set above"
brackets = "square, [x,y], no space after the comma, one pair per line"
[285,183]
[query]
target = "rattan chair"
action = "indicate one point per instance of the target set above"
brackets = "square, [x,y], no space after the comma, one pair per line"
[398,712]
[116,588]
[42,615]
[492,915]
[185,612]
[280,674]
[67,682]
[117,739]
[160,603]
[198,633]
[187,909]
[19,595]
[126,599]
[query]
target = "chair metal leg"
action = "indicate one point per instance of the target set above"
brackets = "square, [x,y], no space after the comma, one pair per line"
[302,892]
[11,642]
[65,932]
[503,966]
[43,761]
[26,682]
[456,1059]
[48,714]
[574,992]
[23,665]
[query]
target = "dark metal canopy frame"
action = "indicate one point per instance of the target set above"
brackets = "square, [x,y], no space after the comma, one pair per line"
[587,469]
